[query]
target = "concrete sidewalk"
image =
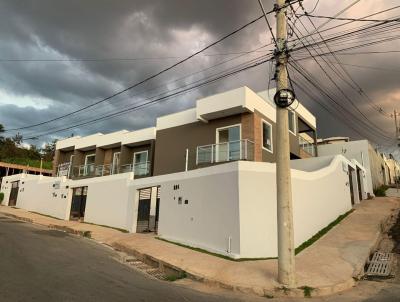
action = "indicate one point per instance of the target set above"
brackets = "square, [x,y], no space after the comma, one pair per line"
[329,265]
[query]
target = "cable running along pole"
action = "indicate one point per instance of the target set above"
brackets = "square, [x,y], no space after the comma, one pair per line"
[283,98]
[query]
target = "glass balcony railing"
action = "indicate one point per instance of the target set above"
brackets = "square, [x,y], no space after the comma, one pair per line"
[223,152]
[83,171]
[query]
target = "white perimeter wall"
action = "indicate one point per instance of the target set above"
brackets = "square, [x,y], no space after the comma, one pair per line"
[45,195]
[110,200]
[217,213]
[211,215]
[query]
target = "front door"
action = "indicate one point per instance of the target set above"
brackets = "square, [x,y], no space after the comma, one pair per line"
[12,202]
[140,165]
[115,164]
[78,204]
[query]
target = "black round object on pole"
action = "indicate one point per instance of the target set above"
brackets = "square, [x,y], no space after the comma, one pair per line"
[284,98]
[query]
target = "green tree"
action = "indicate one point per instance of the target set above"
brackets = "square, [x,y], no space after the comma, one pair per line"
[48,150]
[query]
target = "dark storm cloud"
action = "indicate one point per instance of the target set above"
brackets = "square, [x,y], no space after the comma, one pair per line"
[102,29]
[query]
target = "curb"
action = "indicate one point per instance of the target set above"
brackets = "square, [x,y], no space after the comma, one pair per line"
[18,217]
[277,292]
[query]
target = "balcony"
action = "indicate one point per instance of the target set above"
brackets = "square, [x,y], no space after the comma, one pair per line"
[224,152]
[91,170]
[307,146]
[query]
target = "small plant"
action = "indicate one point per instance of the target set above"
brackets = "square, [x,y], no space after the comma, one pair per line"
[1,197]
[307,291]
[87,234]
[381,191]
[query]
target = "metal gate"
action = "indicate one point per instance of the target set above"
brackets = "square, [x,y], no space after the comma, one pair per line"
[351,185]
[78,204]
[359,183]
[12,201]
[143,218]
[157,208]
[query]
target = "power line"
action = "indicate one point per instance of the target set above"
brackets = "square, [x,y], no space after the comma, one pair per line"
[146,79]
[336,85]
[358,87]
[157,100]
[343,19]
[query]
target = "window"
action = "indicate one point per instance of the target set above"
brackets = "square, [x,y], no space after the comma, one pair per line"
[140,166]
[292,121]
[267,136]
[89,159]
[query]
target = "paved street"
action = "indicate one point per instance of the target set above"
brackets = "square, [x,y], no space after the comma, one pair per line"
[37,264]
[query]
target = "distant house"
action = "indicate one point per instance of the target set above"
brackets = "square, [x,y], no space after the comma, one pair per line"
[375,163]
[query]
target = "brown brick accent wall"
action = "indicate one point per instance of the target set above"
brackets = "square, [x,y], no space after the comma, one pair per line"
[257,138]
[251,130]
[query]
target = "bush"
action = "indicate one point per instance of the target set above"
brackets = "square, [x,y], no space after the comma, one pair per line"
[1,197]
[381,191]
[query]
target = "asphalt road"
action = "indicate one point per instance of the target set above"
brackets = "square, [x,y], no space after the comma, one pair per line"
[38,264]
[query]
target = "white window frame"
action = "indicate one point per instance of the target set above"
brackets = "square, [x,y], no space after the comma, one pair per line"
[262,136]
[294,122]
[89,155]
[226,127]
[217,139]
[138,152]
[113,161]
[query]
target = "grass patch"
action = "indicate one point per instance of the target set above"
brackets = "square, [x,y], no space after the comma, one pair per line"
[322,232]
[173,278]
[381,191]
[307,290]
[87,234]
[28,162]
[49,216]
[106,226]
[211,253]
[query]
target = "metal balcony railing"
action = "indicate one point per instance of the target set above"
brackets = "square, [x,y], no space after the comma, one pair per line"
[307,146]
[223,152]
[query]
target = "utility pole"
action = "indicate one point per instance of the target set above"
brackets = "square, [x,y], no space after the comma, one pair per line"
[397,179]
[395,122]
[286,265]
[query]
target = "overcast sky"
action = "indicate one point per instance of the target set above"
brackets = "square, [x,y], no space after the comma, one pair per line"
[156,33]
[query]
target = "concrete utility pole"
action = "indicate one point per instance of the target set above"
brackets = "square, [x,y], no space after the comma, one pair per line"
[286,265]
[397,140]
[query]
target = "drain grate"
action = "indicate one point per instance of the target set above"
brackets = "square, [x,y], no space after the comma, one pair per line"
[141,266]
[379,256]
[380,265]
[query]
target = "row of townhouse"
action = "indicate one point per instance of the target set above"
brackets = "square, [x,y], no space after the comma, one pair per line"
[235,125]
[204,177]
